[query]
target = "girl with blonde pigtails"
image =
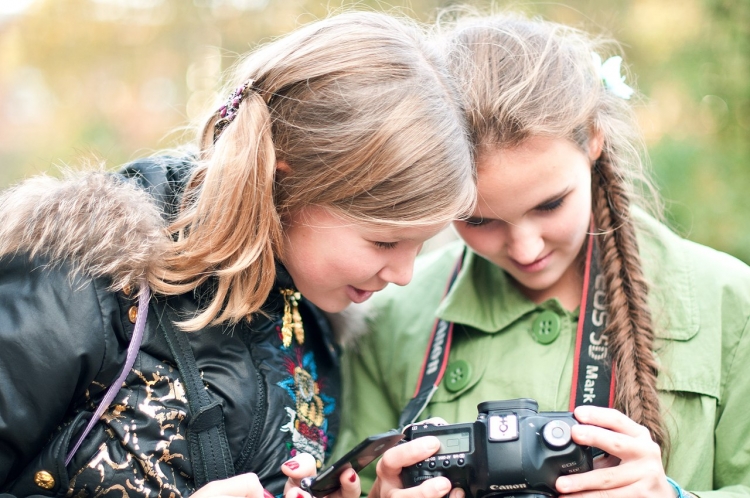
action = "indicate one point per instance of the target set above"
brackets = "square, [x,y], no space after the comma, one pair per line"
[162,329]
[560,241]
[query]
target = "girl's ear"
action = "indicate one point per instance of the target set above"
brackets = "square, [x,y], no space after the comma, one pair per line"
[283,168]
[596,144]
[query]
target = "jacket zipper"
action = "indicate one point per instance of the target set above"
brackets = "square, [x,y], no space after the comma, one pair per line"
[253,439]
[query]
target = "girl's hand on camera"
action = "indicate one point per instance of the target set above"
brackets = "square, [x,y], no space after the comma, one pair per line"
[388,483]
[633,467]
[303,465]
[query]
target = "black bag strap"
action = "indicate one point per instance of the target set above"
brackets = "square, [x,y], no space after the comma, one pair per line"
[209,447]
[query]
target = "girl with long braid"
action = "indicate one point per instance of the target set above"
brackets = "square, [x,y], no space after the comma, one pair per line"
[561,237]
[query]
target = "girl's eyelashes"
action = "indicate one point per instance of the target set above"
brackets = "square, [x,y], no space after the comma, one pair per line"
[544,207]
[552,205]
[476,222]
[385,245]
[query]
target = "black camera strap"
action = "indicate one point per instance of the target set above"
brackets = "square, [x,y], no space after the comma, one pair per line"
[593,370]
[435,361]
[593,379]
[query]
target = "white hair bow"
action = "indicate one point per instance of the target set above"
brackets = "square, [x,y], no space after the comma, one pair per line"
[609,72]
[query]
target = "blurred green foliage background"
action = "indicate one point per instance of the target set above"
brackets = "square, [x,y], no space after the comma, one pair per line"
[113,78]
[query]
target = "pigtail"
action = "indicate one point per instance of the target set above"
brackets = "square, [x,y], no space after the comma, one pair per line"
[229,227]
[630,327]
[362,132]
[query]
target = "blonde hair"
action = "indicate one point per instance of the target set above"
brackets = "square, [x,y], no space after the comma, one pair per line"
[523,78]
[362,110]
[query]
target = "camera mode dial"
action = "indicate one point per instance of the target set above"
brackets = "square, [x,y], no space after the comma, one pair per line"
[556,434]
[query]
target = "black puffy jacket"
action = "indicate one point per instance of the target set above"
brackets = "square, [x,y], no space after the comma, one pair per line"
[64,335]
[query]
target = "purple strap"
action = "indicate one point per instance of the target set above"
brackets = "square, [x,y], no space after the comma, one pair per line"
[133,347]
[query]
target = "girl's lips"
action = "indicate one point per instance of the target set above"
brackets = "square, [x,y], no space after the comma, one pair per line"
[535,266]
[357,295]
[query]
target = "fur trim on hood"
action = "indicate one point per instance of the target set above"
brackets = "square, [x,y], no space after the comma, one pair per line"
[105,226]
[98,223]
[351,324]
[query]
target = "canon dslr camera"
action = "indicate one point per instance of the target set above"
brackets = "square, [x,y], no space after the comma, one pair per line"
[510,450]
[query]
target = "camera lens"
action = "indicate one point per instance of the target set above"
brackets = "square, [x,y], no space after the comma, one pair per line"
[556,434]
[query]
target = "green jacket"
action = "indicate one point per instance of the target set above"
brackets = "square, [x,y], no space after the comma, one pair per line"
[700,301]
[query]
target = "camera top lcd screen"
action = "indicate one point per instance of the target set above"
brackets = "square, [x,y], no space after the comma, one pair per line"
[458,442]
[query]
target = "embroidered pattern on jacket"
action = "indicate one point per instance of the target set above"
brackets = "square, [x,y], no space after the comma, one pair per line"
[308,421]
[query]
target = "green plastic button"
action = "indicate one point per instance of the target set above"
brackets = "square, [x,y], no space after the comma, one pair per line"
[457,375]
[546,327]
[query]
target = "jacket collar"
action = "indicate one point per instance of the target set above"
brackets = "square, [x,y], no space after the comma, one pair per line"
[485,298]
[274,304]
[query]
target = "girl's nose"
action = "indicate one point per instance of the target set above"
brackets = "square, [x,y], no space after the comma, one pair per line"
[400,268]
[525,245]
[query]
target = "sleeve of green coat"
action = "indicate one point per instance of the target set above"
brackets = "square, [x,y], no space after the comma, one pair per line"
[732,461]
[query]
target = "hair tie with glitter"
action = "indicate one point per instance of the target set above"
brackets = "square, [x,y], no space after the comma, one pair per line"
[228,111]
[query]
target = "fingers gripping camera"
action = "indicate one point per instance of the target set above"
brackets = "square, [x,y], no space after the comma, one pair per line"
[510,450]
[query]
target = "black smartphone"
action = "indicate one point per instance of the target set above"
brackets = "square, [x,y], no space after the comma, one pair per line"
[327,481]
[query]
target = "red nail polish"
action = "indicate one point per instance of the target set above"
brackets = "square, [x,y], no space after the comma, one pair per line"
[300,495]
[267,494]
[292,464]
[353,477]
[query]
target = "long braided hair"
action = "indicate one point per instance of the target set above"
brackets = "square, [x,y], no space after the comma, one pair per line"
[523,78]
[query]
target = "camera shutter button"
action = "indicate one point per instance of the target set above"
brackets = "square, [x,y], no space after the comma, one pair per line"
[556,434]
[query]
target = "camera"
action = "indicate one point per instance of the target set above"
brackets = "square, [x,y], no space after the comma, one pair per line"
[510,450]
